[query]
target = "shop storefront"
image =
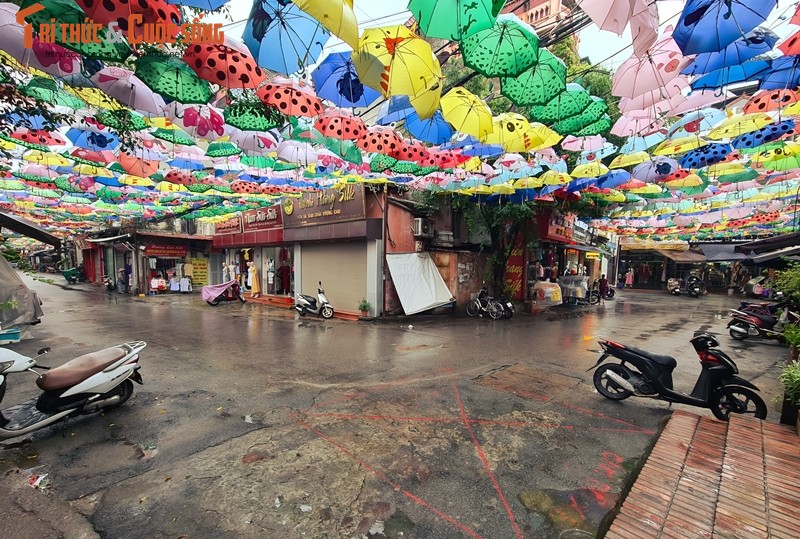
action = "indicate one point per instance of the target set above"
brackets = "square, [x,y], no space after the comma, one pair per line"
[653,262]
[334,241]
[170,262]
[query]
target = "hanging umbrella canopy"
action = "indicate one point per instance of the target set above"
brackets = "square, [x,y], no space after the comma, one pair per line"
[340,124]
[67,12]
[47,90]
[253,115]
[553,177]
[662,63]
[199,121]
[507,49]
[466,112]
[752,69]
[583,144]
[589,170]
[656,169]
[124,86]
[222,149]
[663,97]
[572,101]
[336,80]
[453,20]
[435,129]
[253,143]
[600,127]
[539,84]
[699,99]
[301,153]
[593,112]
[335,15]
[696,122]
[705,155]
[290,97]
[224,65]
[739,125]
[629,160]
[784,72]
[759,41]
[175,136]
[380,139]
[173,79]
[282,37]
[604,151]
[679,145]
[121,120]
[511,131]
[712,25]
[767,134]
[395,61]
[769,100]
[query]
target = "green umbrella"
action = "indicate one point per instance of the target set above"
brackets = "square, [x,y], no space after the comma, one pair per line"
[603,125]
[258,161]
[122,120]
[453,19]
[763,148]
[590,114]
[12,185]
[222,149]
[67,12]
[172,78]
[253,116]
[406,167]
[573,100]
[48,91]
[539,84]
[346,149]
[175,136]
[381,162]
[505,50]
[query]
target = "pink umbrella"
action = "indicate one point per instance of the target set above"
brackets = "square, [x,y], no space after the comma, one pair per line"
[710,217]
[199,121]
[701,99]
[611,15]
[129,89]
[636,123]
[253,143]
[637,75]
[644,26]
[583,144]
[737,213]
[671,92]
[738,186]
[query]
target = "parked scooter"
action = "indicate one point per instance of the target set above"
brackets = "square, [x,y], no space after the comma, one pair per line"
[693,286]
[214,294]
[483,304]
[645,374]
[744,324]
[310,305]
[507,306]
[90,383]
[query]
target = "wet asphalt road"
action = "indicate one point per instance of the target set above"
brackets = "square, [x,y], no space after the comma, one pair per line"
[253,422]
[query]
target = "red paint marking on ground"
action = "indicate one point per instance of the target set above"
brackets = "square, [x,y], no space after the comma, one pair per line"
[574,503]
[383,477]
[603,416]
[380,387]
[485,461]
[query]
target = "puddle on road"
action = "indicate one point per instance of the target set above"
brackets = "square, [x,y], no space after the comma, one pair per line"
[565,513]
[528,382]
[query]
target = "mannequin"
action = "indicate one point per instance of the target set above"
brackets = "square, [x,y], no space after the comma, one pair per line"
[254,280]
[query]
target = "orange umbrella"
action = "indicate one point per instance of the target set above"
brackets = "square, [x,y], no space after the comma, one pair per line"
[290,97]
[340,124]
[381,139]
[137,167]
[228,66]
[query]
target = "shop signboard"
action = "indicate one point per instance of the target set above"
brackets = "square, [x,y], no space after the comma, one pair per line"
[333,205]
[514,271]
[155,250]
[556,226]
[231,225]
[262,219]
[199,271]
[641,245]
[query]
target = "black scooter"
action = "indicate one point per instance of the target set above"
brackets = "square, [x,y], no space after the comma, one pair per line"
[645,374]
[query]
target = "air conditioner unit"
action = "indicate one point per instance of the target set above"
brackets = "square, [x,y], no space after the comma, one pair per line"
[421,228]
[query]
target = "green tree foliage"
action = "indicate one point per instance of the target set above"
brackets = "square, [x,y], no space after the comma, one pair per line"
[788,281]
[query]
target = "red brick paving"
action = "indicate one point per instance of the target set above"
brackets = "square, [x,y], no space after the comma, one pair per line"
[710,479]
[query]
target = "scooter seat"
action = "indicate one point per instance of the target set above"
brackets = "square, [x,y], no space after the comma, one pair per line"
[76,370]
[667,361]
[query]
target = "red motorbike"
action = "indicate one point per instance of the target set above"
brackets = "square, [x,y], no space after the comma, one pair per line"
[214,294]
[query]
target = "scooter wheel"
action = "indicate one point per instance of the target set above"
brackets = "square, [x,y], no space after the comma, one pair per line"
[606,386]
[729,400]
[241,298]
[326,312]
[214,302]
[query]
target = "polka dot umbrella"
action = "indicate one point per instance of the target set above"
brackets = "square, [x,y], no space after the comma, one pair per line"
[172,79]
[380,139]
[539,84]
[224,65]
[340,124]
[120,11]
[290,97]
[506,49]
[768,100]
[253,115]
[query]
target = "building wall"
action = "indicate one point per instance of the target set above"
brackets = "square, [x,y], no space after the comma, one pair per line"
[535,12]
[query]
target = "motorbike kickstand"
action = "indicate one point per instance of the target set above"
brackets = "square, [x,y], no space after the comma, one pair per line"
[64,430]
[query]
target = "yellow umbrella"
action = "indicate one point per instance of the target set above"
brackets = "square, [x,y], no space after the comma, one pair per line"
[553,177]
[788,150]
[95,97]
[48,159]
[169,187]
[512,131]
[589,170]
[739,125]
[162,123]
[613,196]
[7,145]
[502,189]
[135,181]
[473,165]
[335,15]
[467,112]
[542,137]
[691,180]
[529,183]
[395,61]
[679,145]
[649,189]
[91,170]
[720,169]
[629,159]
[792,110]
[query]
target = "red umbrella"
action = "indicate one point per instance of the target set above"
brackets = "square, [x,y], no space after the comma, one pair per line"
[224,65]
[767,100]
[181,177]
[412,150]
[290,97]
[120,11]
[340,124]
[241,186]
[39,136]
[104,157]
[381,139]
[136,166]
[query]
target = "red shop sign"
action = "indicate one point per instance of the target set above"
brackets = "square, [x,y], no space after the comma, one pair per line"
[165,251]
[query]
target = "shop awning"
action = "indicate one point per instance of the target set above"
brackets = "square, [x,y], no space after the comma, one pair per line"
[777,253]
[770,244]
[721,252]
[682,257]
[28,228]
[589,249]
[418,282]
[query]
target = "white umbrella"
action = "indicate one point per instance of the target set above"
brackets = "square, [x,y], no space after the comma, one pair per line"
[129,89]
[301,153]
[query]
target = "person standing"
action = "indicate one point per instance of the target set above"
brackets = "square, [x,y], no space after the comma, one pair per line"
[603,289]
[629,278]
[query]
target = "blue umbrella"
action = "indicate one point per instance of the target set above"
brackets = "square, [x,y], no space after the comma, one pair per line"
[186,164]
[785,73]
[588,156]
[282,37]
[580,183]
[692,123]
[483,150]
[397,108]
[729,75]
[768,133]
[712,25]
[613,179]
[435,129]
[90,140]
[462,141]
[640,144]
[759,41]
[22,119]
[208,5]
[705,155]
[335,79]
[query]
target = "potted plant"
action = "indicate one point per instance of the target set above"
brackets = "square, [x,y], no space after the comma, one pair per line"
[790,378]
[364,306]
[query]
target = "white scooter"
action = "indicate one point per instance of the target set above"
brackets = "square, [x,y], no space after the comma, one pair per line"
[89,383]
[319,305]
